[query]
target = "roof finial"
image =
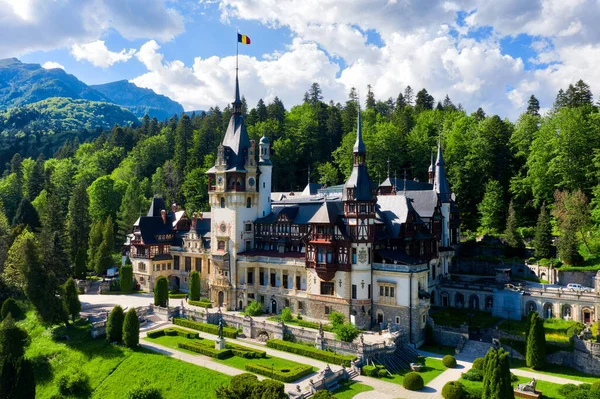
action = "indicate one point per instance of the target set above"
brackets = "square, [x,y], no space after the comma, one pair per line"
[388,166]
[237,103]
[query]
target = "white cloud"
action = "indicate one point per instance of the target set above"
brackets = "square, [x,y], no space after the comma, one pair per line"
[31,25]
[99,55]
[52,65]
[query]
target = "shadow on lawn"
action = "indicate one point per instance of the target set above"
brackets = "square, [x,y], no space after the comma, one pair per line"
[77,337]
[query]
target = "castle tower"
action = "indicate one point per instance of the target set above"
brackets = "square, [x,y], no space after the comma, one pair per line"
[431,171]
[442,188]
[266,170]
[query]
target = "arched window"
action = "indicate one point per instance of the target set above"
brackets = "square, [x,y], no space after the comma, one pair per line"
[249,202]
[222,202]
[221,245]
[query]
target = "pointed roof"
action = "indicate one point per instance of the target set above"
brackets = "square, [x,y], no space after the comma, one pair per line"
[359,179]
[327,213]
[236,137]
[440,183]
[158,204]
[359,145]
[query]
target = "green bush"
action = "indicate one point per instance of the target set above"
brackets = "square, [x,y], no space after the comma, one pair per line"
[254,308]
[478,363]
[155,334]
[473,375]
[283,375]
[346,332]
[126,278]
[208,328]
[270,389]
[453,390]
[172,331]
[413,381]
[245,352]
[595,386]
[315,325]
[206,350]
[73,382]
[144,392]
[11,306]
[323,394]
[370,371]
[202,303]
[336,319]
[114,325]
[71,298]
[382,372]
[449,361]
[161,292]
[309,351]
[566,388]
[180,295]
[286,315]
[131,329]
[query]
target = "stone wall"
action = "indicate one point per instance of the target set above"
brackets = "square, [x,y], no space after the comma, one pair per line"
[584,278]
[450,336]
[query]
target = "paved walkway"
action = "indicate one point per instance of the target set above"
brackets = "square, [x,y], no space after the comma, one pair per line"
[544,377]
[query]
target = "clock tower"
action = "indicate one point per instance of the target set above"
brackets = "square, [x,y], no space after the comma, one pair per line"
[234,202]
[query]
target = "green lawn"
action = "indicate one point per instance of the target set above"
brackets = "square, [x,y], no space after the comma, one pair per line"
[433,368]
[549,389]
[234,361]
[557,330]
[348,389]
[457,317]
[557,371]
[110,368]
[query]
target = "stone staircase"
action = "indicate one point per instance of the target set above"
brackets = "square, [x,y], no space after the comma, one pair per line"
[399,360]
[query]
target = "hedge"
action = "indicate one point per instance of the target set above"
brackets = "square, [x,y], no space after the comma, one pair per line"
[370,371]
[314,353]
[173,331]
[413,381]
[315,325]
[206,350]
[208,328]
[453,390]
[203,304]
[245,352]
[290,375]
[178,296]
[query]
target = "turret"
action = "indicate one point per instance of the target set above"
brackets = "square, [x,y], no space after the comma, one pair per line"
[431,171]
[264,187]
[440,183]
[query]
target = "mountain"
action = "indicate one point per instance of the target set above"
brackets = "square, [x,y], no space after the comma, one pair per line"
[59,114]
[28,83]
[139,100]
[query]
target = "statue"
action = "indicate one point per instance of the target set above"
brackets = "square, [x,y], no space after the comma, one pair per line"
[220,329]
[527,387]
[362,339]
[321,333]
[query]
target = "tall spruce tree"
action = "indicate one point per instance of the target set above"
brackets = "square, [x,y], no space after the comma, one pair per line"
[94,241]
[72,299]
[183,142]
[54,241]
[542,240]
[80,268]
[533,106]
[511,234]
[496,377]
[36,181]
[26,216]
[79,221]
[536,343]
[491,208]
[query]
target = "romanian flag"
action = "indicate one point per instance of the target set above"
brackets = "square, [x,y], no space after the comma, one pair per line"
[243,39]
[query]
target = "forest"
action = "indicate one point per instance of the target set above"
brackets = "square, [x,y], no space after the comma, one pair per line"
[531,180]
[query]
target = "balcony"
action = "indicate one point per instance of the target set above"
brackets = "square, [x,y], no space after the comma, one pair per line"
[392,267]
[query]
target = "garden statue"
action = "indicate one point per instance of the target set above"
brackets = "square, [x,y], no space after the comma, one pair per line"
[362,339]
[220,329]
[527,387]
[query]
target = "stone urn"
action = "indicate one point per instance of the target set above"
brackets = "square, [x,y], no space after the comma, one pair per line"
[416,366]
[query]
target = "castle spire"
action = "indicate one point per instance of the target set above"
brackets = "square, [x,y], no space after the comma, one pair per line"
[359,186]
[237,103]
[359,146]
[440,182]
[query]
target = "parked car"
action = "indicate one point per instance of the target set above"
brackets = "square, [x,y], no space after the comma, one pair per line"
[578,287]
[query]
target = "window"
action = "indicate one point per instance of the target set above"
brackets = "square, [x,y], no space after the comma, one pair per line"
[327,288]
[300,305]
[248,227]
[285,281]
[141,267]
[327,310]
[249,202]
[392,292]
[353,291]
[298,283]
[354,256]
[380,291]
[369,292]
[248,245]
[199,265]
[188,264]
[261,278]
[222,202]
[250,277]
[221,245]
[321,255]
[273,280]
[169,266]
[175,262]
[262,299]
[397,320]
[164,266]
[208,268]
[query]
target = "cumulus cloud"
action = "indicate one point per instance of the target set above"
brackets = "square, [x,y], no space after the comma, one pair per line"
[52,65]
[31,25]
[99,55]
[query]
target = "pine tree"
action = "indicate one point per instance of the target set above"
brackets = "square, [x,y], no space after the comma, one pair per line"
[511,234]
[370,100]
[536,343]
[114,325]
[35,184]
[78,221]
[94,241]
[72,299]
[26,216]
[533,106]
[542,241]
[400,102]
[54,241]
[194,286]
[131,329]
[491,208]
[408,95]
[132,205]
[126,278]
[183,142]
[80,269]
[424,100]
[448,105]
[109,233]
[496,378]
[161,292]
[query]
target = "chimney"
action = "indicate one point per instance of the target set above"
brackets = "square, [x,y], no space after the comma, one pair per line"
[163,215]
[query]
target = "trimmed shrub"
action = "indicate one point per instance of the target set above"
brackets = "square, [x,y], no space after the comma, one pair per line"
[346,332]
[202,303]
[449,361]
[71,298]
[254,308]
[241,385]
[283,375]
[566,388]
[309,351]
[453,390]
[195,286]
[286,315]
[370,371]
[413,381]
[178,296]
[478,363]
[382,372]
[336,319]
[535,356]
[315,325]
[206,350]
[595,386]
[323,394]
[473,375]
[269,389]
[131,329]
[155,334]
[172,331]
[144,392]
[73,382]
[114,325]
[10,306]
[208,328]
[161,292]
[126,278]
[245,352]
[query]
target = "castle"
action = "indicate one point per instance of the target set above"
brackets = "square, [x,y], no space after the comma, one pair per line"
[374,253]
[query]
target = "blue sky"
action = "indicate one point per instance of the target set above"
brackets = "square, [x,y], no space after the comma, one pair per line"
[493,55]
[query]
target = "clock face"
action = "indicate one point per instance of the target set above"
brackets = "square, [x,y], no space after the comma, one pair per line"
[251,182]
[223,228]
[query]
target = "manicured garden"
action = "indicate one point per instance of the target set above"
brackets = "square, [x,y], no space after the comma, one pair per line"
[237,356]
[457,317]
[556,371]
[111,370]
[310,351]
[549,389]
[557,330]
[349,389]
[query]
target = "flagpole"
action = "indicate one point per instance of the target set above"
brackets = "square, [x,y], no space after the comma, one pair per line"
[237,45]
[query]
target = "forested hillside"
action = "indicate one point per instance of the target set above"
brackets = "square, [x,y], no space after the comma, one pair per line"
[508,177]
